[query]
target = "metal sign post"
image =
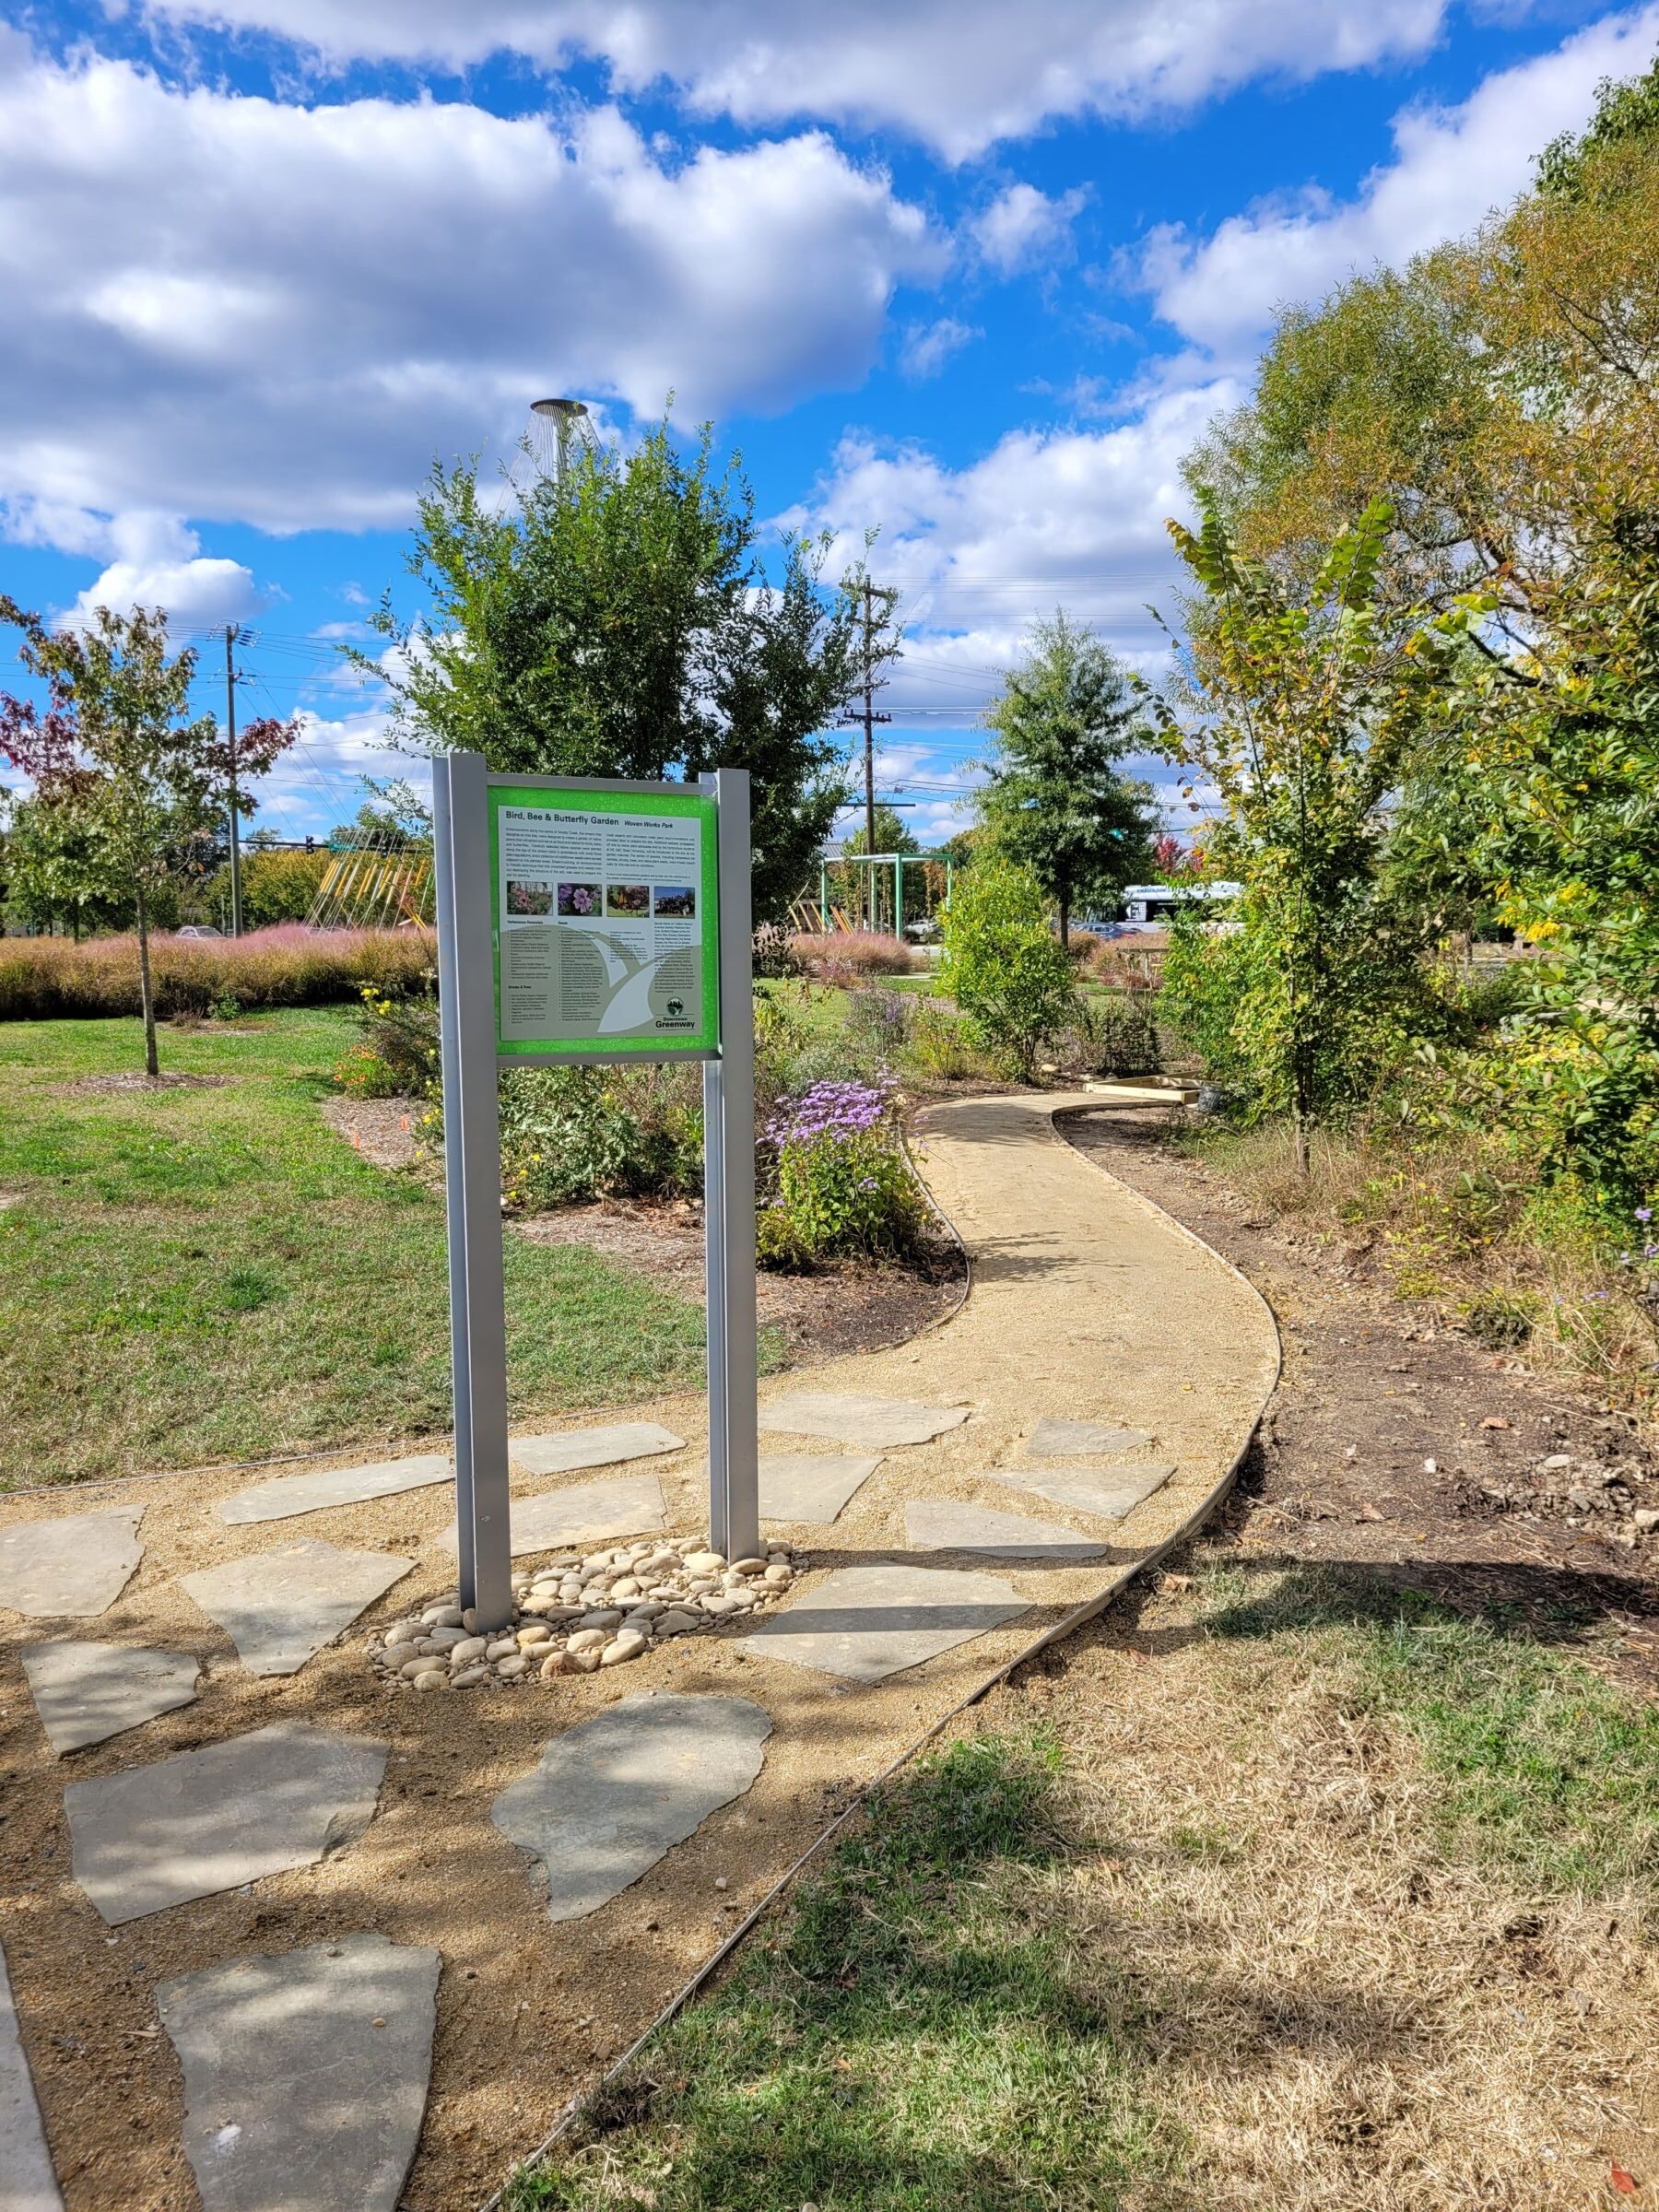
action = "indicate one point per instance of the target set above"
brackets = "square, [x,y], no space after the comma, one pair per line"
[603,921]
[729,1195]
[472,1166]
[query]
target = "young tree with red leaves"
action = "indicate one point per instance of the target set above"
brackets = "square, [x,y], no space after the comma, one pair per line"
[115,739]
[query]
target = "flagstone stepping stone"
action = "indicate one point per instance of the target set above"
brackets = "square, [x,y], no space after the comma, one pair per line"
[810,1486]
[79,1564]
[1083,1439]
[280,1608]
[209,1820]
[868,1622]
[305,2074]
[611,1795]
[26,2180]
[315,1491]
[573,1448]
[1112,1493]
[86,1692]
[945,1524]
[554,1519]
[872,1424]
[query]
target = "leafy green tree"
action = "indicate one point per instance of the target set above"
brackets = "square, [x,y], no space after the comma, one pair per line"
[115,741]
[1056,798]
[1007,971]
[57,869]
[1301,710]
[619,622]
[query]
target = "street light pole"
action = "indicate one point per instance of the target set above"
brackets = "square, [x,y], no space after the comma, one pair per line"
[236,899]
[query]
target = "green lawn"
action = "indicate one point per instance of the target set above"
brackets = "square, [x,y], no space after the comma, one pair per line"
[192,1275]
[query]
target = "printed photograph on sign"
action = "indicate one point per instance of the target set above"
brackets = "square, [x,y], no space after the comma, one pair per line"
[529,898]
[600,920]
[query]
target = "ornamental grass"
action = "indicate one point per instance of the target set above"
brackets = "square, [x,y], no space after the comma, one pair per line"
[45,979]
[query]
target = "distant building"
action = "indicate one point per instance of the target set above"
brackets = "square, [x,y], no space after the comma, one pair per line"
[1150,905]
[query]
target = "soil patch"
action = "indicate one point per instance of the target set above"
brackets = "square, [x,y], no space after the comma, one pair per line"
[844,1306]
[386,1131]
[144,1082]
[1408,1448]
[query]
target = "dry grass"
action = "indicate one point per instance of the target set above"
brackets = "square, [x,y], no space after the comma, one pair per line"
[1344,2015]
[1467,1232]
[840,956]
[45,979]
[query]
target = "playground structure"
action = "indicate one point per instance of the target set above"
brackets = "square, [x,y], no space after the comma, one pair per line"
[877,901]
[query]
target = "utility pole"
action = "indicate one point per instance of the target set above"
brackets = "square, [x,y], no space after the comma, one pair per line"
[870,718]
[236,903]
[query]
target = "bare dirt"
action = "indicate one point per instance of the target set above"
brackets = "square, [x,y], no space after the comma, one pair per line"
[1411,1449]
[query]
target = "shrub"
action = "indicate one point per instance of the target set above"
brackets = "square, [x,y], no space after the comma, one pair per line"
[774,953]
[1124,1035]
[938,1045]
[48,979]
[840,955]
[842,1183]
[398,1057]
[1004,965]
[571,1133]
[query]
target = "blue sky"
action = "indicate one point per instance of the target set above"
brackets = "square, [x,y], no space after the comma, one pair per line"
[972,276]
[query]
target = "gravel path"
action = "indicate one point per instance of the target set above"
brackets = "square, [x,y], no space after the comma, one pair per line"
[1088,1305]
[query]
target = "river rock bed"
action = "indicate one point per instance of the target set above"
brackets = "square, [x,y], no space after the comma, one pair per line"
[582,1612]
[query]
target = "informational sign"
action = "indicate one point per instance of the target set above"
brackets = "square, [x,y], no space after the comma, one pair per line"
[606,921]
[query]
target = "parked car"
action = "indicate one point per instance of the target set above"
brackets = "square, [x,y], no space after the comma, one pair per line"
[200,929]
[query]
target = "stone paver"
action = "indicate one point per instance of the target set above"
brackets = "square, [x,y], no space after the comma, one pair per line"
[573,1448]
[280,1608]
[1112,1493]
[305,2074]
[210,1820]
[77,1564]
[611,1795]
[26,2180]
[868,1622]
[629,1506]
[86,1692]
[316,1491]
[810,1488]
[871,1424]
[946,1525]
[1084,1440]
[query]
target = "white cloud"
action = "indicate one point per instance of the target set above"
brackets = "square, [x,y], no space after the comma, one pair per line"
[1450,167]
[156,560]
[1023,227]
[928,346]
[958,74]
[279,314]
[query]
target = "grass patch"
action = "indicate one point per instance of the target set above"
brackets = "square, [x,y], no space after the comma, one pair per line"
[194,1273]
[905,2040]
[1335,1903]
[1540,1766]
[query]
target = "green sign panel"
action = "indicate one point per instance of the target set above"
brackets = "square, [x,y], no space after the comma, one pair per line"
[604,921]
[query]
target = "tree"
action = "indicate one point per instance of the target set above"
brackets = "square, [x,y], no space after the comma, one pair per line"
[618,622]
[1056,798]
[56,864]
[115,743]
[1302,708]
[1004,967]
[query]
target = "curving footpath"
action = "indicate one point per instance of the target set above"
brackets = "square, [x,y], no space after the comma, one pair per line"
[499,1889]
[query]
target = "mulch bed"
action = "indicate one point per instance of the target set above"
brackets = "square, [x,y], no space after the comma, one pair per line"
[1409,1450]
